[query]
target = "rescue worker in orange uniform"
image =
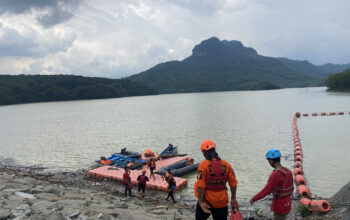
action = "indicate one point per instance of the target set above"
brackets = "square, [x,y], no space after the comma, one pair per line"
[210,188]
[280,184]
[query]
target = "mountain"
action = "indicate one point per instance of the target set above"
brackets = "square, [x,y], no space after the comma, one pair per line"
[39,88]
[339,81]
[228,65]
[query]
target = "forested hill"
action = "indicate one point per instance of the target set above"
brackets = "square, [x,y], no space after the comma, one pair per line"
[39,88]
[339,81]
[228,65]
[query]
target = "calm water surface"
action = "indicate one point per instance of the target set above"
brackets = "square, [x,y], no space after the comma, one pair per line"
[244,125]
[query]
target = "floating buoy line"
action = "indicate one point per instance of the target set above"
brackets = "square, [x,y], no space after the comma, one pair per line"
[322,206]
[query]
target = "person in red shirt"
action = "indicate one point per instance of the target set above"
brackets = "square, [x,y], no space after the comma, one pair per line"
[280,184]
[212,176]
[127,181]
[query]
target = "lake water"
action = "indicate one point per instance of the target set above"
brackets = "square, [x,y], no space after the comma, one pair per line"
[244,125]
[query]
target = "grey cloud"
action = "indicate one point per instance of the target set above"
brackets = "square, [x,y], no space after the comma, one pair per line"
[204,7]
[13,44]
[58,11]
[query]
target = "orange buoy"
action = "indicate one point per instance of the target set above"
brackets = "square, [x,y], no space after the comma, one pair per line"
[332,113]
[298,158]
[298,152]
[341,113]
[323,114]
[298,171]
[314,114]
[305,201]
[300,180]
[303,191]
[297,164]
[297,114]
[305,115]
[321,206]
[297,148]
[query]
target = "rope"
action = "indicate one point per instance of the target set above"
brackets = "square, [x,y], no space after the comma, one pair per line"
[340,205]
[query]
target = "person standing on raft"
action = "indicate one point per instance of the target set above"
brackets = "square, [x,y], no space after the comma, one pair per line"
[210,187]
[142,179]
[172,185]
[280,184]
[152,167]
[127,181]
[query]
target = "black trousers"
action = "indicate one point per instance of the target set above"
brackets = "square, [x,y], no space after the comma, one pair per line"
[218,214]
[142,187]
[127,189]
[170,194]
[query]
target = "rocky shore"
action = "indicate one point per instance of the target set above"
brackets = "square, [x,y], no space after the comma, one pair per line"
[33,193]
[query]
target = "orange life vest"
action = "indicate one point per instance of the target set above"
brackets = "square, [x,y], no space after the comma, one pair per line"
[216,180]
[287,187]
[105,162]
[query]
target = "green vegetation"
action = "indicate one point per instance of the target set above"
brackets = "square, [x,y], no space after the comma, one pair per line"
[39,88]
[304,210]
[227,65]
[339,81]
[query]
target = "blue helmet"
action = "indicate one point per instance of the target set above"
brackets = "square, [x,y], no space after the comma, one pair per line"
[272,154]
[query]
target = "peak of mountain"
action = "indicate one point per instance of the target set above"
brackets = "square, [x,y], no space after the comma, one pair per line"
[214,47]
[221,65]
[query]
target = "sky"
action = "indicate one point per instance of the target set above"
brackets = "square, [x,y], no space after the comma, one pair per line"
[118,38]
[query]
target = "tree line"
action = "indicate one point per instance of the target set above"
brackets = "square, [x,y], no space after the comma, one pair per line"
[339,81]
[15,89]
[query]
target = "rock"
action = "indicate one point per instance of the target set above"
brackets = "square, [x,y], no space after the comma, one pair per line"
[41,206]
[4,213]
[54,191]
[21,210]
[56,216]
[2,186]
[37,189]
[25,195]
[100,216]
[74,215]
[56,207]
[48,197]
[82,217]
[122,205]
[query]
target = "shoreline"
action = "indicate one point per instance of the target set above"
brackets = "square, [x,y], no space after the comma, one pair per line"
[30,192]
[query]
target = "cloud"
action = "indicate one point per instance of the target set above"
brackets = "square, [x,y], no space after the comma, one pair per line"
[118,38]
[49,12]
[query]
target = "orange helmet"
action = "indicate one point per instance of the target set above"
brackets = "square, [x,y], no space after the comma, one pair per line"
[148,151]
[207,145]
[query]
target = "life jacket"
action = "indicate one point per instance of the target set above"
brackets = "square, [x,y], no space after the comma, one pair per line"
[287,187]
[216,180]
[105,162]
[126,178]
[142,179]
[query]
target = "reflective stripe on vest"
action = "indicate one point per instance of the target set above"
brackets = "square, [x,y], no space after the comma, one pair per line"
[287,187]
[216,180]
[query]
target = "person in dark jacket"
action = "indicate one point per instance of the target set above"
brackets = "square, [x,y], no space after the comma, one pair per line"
[152,167]
[142,179]
[172,185]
